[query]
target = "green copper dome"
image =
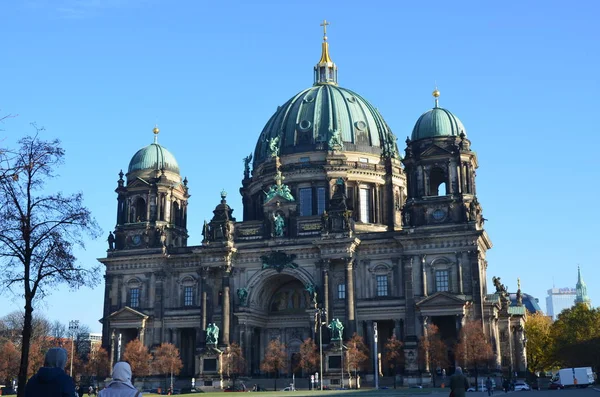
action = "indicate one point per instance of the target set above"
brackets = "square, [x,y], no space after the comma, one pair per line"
[153,157]
[311,118]
[437,122]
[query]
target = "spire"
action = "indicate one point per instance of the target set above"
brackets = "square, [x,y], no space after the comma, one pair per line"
[155,131]
[325,70]
[436,95]
[581,290]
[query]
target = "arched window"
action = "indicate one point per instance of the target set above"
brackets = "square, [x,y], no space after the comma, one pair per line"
[134,296]
[140,210]
[437,182]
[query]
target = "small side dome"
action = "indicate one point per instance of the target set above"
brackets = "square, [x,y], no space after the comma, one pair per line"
[153,157]
[437,122]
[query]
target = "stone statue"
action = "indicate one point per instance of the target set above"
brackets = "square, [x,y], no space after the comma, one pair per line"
[324,222]
[312,290]
[335,142]
[247,161]
[111,241]
[212,334]
[337,328]
[242,294]
[278,225]
[274,146]
[163,240]
[407,217]
[205,234]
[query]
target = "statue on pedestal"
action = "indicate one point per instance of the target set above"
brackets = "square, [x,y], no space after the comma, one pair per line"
[212,334]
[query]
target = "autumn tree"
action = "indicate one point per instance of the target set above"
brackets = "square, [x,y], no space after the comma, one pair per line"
[540,344]
[433,351]
[309,357]
[275,360]
[234,363]
[167,361]
[138,356]
[474,349]
[575,334]
[394,355]
[9,362]
[98,364]
[39,231]
[357,355]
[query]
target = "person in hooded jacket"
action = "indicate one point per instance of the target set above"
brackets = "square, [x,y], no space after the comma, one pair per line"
[121,385]
[51,380]
[458,383]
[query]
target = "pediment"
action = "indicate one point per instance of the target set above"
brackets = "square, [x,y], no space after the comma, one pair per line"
[435,150]
[127,314]
[440,299]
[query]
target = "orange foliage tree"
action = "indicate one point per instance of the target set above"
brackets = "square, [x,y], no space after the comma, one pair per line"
[275,359]
[474,348]
[309,357]
[394,355]
[433,351]
[138,356]
[234,363]
[98,364]
[167,360]
[357,354]
[10,357]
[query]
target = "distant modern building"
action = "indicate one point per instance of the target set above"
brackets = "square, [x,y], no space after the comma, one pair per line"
[88,342]
[581,290]
[559,299]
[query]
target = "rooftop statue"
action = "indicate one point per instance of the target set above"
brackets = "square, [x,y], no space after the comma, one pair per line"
[212,334]
[274,146]
[247,161]
[335,142]
[337,328]
[278,225]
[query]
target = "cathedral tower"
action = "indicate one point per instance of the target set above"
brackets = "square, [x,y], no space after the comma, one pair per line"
[152,201]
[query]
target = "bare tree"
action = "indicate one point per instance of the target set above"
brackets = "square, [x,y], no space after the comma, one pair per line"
[39,231]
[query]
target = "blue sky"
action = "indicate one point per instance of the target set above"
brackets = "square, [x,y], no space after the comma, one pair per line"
[522,77]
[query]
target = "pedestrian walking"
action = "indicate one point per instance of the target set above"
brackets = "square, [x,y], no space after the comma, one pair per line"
[489,386]
[458,383]
[51,380]
[121,385]
[505,385]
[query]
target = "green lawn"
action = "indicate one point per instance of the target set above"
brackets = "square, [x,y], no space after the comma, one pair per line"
[338,393]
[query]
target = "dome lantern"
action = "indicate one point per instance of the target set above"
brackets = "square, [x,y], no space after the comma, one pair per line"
[153,157]
[325,70]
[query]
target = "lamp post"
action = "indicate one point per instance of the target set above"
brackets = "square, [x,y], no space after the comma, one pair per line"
[320,323]
[73,327]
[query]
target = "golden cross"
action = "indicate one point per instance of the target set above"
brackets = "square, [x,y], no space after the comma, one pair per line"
[325,24]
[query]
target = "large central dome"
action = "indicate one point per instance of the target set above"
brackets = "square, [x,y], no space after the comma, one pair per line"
[323,116]
[309,120]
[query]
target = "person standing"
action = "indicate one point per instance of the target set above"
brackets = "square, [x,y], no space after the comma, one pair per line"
[121,385]
[489,386]
[51,380]
[458,383]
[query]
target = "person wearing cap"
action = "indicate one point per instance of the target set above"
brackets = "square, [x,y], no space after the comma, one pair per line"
[121,385]
[51,380]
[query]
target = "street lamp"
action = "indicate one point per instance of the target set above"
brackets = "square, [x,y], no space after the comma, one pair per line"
[73,328]
[319,322]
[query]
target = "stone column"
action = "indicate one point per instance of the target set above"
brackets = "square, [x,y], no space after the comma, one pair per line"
[459,273]
[204,303]
[141,333]
[398,329]
[425,335]
[350,309]
[112,347]
[226,307]
[424,274]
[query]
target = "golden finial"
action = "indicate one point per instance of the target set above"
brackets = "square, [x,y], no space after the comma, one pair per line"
[325,24]
[156,131]
[436,95]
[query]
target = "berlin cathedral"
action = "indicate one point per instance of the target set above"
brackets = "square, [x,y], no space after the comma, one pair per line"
[335,219]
